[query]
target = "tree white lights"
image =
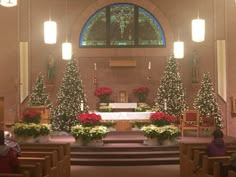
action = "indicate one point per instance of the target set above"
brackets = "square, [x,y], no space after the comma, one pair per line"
[179,49]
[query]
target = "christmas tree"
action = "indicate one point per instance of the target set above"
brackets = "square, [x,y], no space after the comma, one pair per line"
[71,99]
[39,96]
[206,101]
[170,97]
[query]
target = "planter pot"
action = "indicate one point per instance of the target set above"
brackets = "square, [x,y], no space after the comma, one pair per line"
[151,142]
[168,142]
[43,139]
[26,139]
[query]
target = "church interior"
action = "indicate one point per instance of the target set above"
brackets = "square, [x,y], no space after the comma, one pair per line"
[120,46]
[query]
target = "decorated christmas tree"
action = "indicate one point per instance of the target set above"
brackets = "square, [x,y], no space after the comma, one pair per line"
[39,96]
[170,96]
[206,101]
[71,99]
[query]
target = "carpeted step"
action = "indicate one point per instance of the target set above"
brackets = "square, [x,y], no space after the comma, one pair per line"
[125,161]
[117,155]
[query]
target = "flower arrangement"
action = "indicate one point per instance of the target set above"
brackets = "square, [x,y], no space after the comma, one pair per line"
[103,93]
[142,107]
[30,130]
[161,119]
[89,119]
[31,116]
[105,108]
[88,133]
[151,131]
[169,131]
[141,93]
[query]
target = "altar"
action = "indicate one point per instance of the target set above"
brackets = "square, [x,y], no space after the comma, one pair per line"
[123,119]
[123,107]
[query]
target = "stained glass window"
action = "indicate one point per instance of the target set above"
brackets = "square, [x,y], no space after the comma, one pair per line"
[122,25]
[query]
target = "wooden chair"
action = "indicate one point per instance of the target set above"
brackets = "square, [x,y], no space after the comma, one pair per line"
[207,123]
[190,121]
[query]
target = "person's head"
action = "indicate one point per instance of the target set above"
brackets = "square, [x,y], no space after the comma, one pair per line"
[217,134]
[1,137]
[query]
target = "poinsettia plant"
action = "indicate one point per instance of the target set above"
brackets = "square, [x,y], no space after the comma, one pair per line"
[161,119]
[89,119]
[103,93]
[141,93]
[31,116]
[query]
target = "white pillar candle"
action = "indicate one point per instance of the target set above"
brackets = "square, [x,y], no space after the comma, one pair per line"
[149,65]
[82,106]
[165,105]
[95,66]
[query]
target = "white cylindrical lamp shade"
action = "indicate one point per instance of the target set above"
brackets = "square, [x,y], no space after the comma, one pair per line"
[66,51]
[198,30]
[8,3]
[179,49]
[50,32]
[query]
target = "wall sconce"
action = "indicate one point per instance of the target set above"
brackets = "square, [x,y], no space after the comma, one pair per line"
[8,3]
[179,49]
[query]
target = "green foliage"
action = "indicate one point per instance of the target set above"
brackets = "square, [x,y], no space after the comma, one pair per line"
[206,102]
[171,91]
[71,99]
[39,96]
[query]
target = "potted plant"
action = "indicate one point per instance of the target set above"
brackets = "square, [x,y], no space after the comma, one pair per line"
[31,116]
[161,119]
[85,135]
[109,124]
[105,108]
[89,119]
[168,134]
[152,132]
[103,93]
[141,93]
[30,132]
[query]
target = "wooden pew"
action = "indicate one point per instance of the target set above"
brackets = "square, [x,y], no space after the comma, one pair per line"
[14,175]
[53,159]
[63,150]
[45,163]
[231,173]
[34,170]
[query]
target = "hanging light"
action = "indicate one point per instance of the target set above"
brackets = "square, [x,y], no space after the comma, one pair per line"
[66,50]
[179,49]
[198,30]
[50,32]
[66,46]
[8,3]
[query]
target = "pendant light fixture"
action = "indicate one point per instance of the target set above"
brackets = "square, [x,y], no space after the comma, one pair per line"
[178,49]
[66,46]
[198,30]
[50,31]
[8,3]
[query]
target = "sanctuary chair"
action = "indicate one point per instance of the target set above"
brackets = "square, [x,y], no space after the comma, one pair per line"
[207,123]
[190,121]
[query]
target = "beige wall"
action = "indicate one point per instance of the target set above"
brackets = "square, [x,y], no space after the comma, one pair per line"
[25,23]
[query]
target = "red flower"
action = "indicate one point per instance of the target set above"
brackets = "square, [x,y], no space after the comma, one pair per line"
[31,116]
[89,119]
[161,119]
[99,92]
[141,93]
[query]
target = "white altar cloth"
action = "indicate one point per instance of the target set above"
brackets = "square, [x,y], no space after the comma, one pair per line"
[122,105]
[125,115]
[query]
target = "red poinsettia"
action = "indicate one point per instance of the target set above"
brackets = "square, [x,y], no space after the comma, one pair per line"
[161,119]
[89,119]
[31,116]
[141,93]
[103,93]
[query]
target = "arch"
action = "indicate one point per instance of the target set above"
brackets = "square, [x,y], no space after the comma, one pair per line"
[81,20]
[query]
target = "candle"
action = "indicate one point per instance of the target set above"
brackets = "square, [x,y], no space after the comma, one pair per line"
[95,66]
[165,105]
[149,65]
[82,105]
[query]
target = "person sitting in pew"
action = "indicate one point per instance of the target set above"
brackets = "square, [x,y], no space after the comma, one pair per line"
[217,146]
[9,162]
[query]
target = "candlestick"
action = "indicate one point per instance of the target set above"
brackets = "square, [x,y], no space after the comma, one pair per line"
[95,66]
[82,105]
[165,105]
[149,65]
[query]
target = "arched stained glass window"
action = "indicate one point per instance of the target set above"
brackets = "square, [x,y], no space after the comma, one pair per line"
[122,25]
